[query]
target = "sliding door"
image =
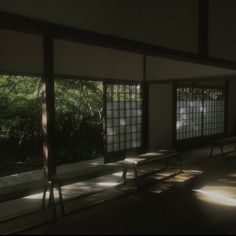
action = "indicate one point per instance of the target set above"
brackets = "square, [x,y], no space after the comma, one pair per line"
[200,113]
[123,119]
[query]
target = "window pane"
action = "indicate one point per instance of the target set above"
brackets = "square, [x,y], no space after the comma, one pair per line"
[78,126]
[20,124]
[124,116]
[199,112]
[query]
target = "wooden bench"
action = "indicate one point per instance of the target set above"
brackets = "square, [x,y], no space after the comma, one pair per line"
[220,143]
[134,162]
[60,180]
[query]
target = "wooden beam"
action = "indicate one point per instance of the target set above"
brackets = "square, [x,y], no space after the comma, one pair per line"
[25,24]
[48,110]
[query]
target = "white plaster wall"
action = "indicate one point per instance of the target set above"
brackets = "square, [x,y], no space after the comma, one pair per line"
[168,69]
[20,52]
[160,116]
[222,34]
[85,60]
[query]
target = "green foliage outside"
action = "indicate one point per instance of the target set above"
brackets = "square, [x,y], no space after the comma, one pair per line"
[198,94]
[78,124]
[20,115]
[78,107]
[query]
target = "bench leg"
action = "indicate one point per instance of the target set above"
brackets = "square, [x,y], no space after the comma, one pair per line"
[57,184]
[61,200]
[136,175]
[167,163]
[211,152]
[52,200]
[44,197]
[50,186]
[123,179]
[180,163]
[222,151]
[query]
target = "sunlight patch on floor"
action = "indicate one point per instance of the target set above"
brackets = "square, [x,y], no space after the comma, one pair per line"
[232,175]
[35,196]
[118,174]
[108,184]
[220,195]
[184,176]
[169,182]
[228,179]
[160,188]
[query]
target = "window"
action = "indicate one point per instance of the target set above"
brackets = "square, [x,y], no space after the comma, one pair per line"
[123,117]
[20,124]
[213,111]
[78,126]
[199,112]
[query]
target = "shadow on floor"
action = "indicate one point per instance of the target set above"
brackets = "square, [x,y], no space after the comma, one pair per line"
[201,200]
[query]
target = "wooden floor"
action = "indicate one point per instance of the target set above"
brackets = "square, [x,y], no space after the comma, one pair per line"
[200,200]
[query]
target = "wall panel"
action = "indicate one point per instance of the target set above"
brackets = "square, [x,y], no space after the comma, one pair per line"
[168,69]
[20,52]
[160,115]
[222,34]
[86,60]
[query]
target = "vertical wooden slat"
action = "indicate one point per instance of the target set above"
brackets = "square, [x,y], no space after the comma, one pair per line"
[174,118]
[202,112]
[48,109]
[226,109]
[104,122]
[145,108]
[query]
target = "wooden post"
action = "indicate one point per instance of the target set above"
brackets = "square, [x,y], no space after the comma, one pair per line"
[104,122]
[174,117]
[145,108]
[226,110]
[48,109]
